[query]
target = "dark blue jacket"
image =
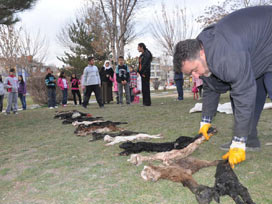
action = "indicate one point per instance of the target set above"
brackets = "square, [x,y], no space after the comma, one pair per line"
[238,50]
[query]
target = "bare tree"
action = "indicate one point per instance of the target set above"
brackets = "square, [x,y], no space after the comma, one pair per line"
[32,48]
[214,13]
[119,20]
[18,48]
[9,46]
[168,28]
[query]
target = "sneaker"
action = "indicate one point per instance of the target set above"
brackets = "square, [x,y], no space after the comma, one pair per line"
[15,113]
[51,108]
[55,107]
[249,148]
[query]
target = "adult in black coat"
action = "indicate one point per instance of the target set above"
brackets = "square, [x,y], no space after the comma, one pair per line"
[106,75]
[144,70]
[232,55]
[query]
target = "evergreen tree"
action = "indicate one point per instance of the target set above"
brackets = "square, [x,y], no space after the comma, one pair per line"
[85,37]
[8,9]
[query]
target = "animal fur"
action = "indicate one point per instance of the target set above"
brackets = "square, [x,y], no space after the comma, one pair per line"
[180,143]
[118,139]
[182,172]
[105,126]
[85,122]
[82,119]
[99,136]
[227,183]
[70,114]
[137,159]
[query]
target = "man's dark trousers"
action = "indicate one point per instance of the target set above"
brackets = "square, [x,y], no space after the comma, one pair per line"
[252,140]
[88,92]
[146,91]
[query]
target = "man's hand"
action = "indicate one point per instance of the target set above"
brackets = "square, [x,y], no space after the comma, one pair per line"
[236,154]
[204,127]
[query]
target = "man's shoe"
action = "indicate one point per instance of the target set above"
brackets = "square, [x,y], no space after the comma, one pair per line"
[51,108]
[250,148]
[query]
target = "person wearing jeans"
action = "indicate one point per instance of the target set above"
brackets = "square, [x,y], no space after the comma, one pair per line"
[11,83]
[62,83]
[178,77]
[50,82]
[123,79]
[22,91]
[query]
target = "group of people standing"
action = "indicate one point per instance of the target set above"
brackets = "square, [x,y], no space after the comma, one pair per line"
[105,81]
[15,87]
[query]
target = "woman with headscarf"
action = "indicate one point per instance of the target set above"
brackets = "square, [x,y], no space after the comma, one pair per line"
[106,75]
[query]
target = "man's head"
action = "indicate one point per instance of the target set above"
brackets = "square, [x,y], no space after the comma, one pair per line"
[91,60]
[121,60]
[190,58]
[11,71]
[141,47]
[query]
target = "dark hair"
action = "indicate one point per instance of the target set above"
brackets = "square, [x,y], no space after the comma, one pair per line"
[61,75]
[1,78]
[12,70]
[22,81]
[90,58]
[120,57]
[185,50]
[142,45]
[72,77]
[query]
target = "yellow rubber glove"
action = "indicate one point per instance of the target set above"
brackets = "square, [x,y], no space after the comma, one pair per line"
[236,153]
[204,127]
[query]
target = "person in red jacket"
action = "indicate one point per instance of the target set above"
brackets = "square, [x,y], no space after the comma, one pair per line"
[63,84]
[75,82]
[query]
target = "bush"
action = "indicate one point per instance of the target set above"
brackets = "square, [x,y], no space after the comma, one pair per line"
[38,90]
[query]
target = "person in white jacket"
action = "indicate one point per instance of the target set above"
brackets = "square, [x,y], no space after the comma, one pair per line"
[11,83]
[92,83]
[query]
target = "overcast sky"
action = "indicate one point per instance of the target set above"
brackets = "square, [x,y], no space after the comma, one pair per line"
[49,16]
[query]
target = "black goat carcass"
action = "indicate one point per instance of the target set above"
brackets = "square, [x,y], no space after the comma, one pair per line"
[132,148]
[70,114]
[227,183]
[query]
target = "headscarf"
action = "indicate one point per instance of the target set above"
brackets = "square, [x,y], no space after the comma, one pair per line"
[107,61]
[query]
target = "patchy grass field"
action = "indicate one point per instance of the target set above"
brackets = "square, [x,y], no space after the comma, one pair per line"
[42,161]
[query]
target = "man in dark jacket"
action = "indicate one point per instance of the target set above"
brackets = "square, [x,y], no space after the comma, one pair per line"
[144,70]
[232,55]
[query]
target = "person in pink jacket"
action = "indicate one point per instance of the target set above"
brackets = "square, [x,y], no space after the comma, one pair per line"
[115,87]
[64,86]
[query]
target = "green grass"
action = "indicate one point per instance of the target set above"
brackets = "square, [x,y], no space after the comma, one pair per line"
[42,161]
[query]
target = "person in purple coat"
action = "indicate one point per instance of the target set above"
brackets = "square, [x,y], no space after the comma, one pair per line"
[22,91]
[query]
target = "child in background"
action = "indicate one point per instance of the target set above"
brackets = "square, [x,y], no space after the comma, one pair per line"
[122,76]
[22,91]
[75,82]
[115,88]
[11,83]
[133,82]
[62,83]
[2,94]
